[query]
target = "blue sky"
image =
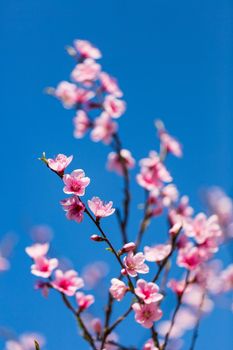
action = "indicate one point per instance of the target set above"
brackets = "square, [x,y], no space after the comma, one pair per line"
[173,60]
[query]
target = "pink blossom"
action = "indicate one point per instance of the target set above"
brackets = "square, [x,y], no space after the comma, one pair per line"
[4,264]
[227,278]
[37,250]
[168,142]
[96,325]
[74,208]
[110,85]
[81,124]
[43,267]
[128,247]
[134,264]
[43,286]
[115,161]
[84,301]
[169,195]
[153,172]
[193,297]
[182,212]
[202,228]
[60,163]
[118,289]
[25,342]
[149,345]
[147,314]
[157,253]
[86,71]
[113,106]
[220,204]
[148,292]
[83,95]
[189,257]
[177,286]
[67,282]
[104,128]
[67,93]
[76,182]
[94,273]
[99,208]
[86,49]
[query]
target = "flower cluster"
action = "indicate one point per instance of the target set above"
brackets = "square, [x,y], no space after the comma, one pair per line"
[188,247]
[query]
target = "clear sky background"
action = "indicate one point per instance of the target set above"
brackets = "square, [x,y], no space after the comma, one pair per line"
[173,60]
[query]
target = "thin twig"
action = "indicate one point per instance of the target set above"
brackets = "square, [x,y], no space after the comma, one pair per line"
[196,329]
[178,305]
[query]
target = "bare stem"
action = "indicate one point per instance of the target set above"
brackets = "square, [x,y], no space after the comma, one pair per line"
[196,329]
[178,305]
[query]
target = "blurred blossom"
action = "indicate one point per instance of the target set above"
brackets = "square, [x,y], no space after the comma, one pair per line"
[93,273]
[25,342]
[41,233]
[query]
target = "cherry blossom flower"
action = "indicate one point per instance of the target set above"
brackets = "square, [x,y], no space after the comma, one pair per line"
[99,208]
[153,172]
[227,278]
[25,342]
[134,264]
[115,161]
[83,96]
[67,93]
[67,282]
[189,257]
[81,124]
[147,314]
[94,273]
[84,301]
[104,128]
[43,267]
[168,142]
[74,208]
[177,286]
[59,163]
[149,345]
[86,71]
[37,250]
[169,195]
[4,264]
[109,85]
[128,247]
[202,228]
[113,106]
[96,325]
[157,253]
[193,298]
[182,212]
[220,204]
[118,289]
[148,292]
[76,182]
[86,49]
[43,286]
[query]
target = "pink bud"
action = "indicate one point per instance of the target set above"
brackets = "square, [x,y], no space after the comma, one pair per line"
[97,238]
[175,229]
[128,247]
[96,325]
[124,272]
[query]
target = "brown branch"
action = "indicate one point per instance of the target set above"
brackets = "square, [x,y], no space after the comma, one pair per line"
[196,329]
[178,305]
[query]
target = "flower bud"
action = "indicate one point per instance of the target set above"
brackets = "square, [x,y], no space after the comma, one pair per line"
[97,238]
[96,325]
[175,229]
[128,247]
